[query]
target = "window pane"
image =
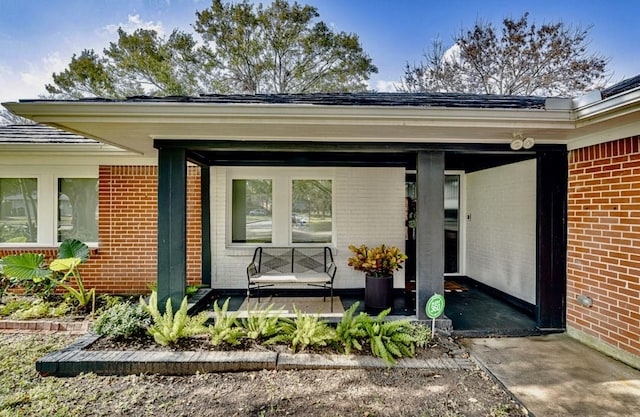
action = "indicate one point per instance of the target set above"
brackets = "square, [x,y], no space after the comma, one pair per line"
[18,210]
[311,211]
[78,209]
[251,211]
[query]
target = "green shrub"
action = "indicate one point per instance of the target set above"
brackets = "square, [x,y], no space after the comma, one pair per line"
[305,330]
[28,270]
[225,327]
[106,301]
[261,325]
[421,334]
[41,309]
[122,320]
[14,305]
[169,328]
[350,331]
[390,339]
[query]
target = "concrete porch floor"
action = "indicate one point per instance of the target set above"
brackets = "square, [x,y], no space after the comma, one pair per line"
[557,376]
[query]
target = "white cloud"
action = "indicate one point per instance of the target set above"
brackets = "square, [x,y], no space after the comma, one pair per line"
[40,74]
[19,84]
[384,86]
[134,22]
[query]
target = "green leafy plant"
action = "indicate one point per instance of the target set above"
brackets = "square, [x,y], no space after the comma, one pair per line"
[380,261]
[225,327]
[421,334]
[41,309]
[122,320]
[350,331]
[304,331]
[390,339]
[169,328]
[73,248]
[69,266]
[14,305]
[28,270]
[106,301]
[5,282]
[192,290]
[261,325]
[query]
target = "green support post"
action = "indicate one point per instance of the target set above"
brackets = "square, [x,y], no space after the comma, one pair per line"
[429,228]
[172,226]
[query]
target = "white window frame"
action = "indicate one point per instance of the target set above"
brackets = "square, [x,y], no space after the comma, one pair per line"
[47,178]
[282,184]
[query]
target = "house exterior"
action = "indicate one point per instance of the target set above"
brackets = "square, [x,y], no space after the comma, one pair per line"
[535,197]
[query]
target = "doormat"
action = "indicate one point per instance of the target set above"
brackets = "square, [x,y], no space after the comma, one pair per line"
[307,305]
[452,286]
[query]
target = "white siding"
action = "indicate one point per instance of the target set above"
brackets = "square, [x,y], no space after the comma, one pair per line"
[368,207]
[501,228]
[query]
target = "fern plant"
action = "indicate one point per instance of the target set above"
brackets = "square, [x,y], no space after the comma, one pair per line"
[261,325]
[225,327]
[169,328]
[390,339]
[304,331]
[350,331]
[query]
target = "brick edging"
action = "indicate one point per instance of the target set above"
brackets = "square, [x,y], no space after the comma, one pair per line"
[72,327]
[73,360]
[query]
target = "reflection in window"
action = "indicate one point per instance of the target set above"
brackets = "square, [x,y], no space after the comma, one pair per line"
[451,222]
[311,211]
[18,210]
[78,209]
[251,207]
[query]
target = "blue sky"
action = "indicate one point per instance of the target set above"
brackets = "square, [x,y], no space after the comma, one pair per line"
[38,37]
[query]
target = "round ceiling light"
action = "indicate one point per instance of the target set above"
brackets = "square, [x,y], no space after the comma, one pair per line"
[517,144]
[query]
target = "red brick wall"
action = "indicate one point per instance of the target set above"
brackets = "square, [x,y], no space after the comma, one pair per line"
[125,262]
[604,242]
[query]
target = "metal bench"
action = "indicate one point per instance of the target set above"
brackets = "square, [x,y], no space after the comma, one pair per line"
[272,266]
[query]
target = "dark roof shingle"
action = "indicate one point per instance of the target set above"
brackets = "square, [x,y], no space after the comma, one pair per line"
[457,100]
[621,87]
[39,134]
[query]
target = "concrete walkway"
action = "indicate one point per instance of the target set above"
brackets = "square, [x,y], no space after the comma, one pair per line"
[555,375]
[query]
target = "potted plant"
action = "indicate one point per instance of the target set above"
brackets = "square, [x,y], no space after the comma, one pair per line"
[378,264]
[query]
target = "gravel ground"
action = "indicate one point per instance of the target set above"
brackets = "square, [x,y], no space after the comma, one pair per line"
[385,392]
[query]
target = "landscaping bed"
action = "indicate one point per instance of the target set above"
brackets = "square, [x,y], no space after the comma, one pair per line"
[353,392]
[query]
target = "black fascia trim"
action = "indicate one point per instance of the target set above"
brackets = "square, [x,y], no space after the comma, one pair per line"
[337,147]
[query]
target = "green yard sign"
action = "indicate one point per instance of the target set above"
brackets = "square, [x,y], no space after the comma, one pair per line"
[435,306]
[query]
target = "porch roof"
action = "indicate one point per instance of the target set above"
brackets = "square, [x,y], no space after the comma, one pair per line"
[368,118]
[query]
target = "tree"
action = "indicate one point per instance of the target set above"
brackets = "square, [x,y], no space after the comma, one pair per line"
[139,63]
[8,118]
[244,49]
[523,59]
[279,49]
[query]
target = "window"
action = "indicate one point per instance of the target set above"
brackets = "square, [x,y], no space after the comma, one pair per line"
[311,218]
[279,206]
[251,208]
[18,210]
[42,205]
[78,209]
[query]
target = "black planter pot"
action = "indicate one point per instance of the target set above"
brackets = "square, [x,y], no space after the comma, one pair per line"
[378,291]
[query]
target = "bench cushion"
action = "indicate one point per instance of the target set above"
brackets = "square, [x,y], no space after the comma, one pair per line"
[303,278]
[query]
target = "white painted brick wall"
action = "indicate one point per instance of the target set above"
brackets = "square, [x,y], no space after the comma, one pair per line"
[501,233]
[368,208]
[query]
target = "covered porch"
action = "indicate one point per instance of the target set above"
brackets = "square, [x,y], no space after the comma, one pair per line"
[378,137]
